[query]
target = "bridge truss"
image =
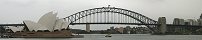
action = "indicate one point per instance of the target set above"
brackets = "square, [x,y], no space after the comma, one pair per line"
[111,15]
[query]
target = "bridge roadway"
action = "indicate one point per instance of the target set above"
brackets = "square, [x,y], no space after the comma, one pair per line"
[107,23]
[135,24]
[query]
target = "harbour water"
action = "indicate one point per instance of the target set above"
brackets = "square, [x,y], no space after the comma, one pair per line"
[120,37]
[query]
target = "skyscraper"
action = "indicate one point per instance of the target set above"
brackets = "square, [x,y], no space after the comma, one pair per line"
[178,21]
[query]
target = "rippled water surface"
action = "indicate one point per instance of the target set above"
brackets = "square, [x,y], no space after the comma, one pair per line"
[120,37]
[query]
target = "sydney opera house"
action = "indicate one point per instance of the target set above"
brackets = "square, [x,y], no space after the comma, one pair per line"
[49,25]
[48,22]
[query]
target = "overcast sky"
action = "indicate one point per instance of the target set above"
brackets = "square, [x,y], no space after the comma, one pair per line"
[15,11]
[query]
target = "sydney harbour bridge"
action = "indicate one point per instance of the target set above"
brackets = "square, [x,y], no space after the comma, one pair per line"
[111,15]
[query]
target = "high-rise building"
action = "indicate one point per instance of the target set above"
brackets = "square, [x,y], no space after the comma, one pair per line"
[178,21]
[181,22]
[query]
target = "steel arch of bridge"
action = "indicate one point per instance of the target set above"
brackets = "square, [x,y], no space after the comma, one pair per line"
[139,17]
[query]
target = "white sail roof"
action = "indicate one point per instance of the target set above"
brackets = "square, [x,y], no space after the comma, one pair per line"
[59,24]
[65,24]
[48,20]
[32,25]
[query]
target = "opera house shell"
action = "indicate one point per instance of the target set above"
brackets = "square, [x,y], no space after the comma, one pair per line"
[48,21]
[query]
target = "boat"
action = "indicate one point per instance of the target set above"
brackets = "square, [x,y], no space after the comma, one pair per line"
[108,35]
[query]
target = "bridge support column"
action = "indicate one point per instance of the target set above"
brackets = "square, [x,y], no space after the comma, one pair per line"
[162,25]
[87,27]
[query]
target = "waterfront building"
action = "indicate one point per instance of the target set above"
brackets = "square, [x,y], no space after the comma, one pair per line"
[181,22]
[191,22]
[178,21]
[179,29]
[140,30]
[187,22]
[48,26]
[48,22]
[183,29]
[200,22]
[200,16]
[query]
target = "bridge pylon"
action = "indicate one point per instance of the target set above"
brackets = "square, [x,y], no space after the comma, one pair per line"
[162,25]
[87,27]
